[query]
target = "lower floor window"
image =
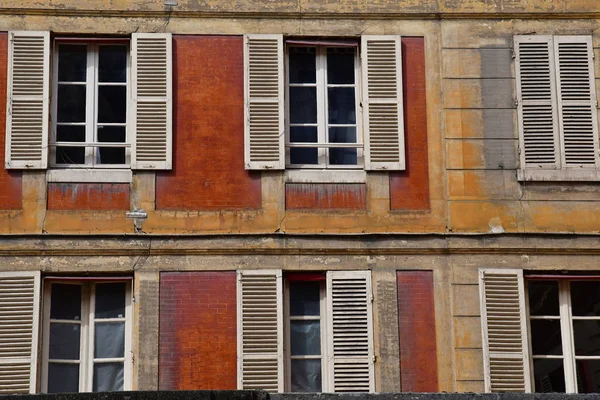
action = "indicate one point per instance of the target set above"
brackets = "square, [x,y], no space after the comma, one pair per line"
[86,336]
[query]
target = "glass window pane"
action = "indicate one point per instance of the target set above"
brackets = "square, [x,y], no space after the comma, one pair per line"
[71,103]
[111,155]
[549,376]
[109,340]
[341,105]
[305,298]
[587,337]
[65,302]
[108,377]
[110,300]
[340,65]
[545,337]
[63,378]
[70,133]
[64,341]
[306,375]
[588,376]
[112,104]
[302,64]
[303,105]
[343,156]
[70,155]
[112,63]
[585,298]
[342,134]
[303,134]
[305,338]
[304,156]
[543,297]
[72,63]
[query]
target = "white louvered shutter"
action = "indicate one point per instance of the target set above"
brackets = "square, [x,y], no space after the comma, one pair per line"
[260,330]
[383,111]
[152,102]
[350,336]
[19,324]
[263,102]
[536,93]
[28,99]
[504,328]
[578,116]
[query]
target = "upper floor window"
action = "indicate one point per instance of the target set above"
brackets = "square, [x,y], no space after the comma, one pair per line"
[91,94]
[558,117]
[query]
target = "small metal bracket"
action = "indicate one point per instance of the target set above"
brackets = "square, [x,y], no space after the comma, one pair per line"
[138,217]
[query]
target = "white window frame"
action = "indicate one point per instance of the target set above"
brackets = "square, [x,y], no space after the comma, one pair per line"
[91,144]
[87,322]
[337,173]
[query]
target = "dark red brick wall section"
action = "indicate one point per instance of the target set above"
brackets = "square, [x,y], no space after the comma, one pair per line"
[208,159]
[10,180]
[324,196]
[88,196]
[416,328]
[409,189]
[198,331]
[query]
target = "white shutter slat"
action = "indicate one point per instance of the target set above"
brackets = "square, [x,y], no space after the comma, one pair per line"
[28,100]
[350,342]
[152,102]
[505,340]
[382,100]
[577,112]
[260,330]
[264,102]
[19,324]
[536,93]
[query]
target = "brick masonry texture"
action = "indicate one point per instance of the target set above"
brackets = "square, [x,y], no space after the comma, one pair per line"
[208,145]
[416,328]
[198,331]
[409,189]
[10,181]
[303,196]
[88,196]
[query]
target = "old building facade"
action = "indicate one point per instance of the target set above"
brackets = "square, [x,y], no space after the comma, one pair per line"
[299,195]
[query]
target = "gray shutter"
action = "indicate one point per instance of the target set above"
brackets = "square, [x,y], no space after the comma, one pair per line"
[19,325]
[350,323]
[383,111]
[28,100]
[504,328]
[152,102]
[536,94]
[260,330]
[263,102]
[577,112]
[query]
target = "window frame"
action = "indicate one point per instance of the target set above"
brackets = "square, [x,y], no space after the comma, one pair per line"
[86,359]
[337,173]
[90,170]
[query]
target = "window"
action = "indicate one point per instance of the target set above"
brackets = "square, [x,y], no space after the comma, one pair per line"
[325,321]
[313,115]
[91,94]
[558,121]
[86,336]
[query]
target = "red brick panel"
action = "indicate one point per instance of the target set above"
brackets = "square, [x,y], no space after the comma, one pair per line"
[325,196]
[208,159]
[416,327]
[88,196]
[10,181]
[409,189]
[198,331]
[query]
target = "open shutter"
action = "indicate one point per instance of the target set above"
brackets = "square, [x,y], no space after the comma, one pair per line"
[28,99]
[536,94]
[260,330]
[19,324]
[350,341]
[577,112]
[382,102]
[263,102]
[503,321]
[152,110]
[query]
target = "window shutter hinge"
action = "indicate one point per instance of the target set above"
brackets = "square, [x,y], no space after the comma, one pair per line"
[517,103]
[374,359]
[514,55]
[371,298]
